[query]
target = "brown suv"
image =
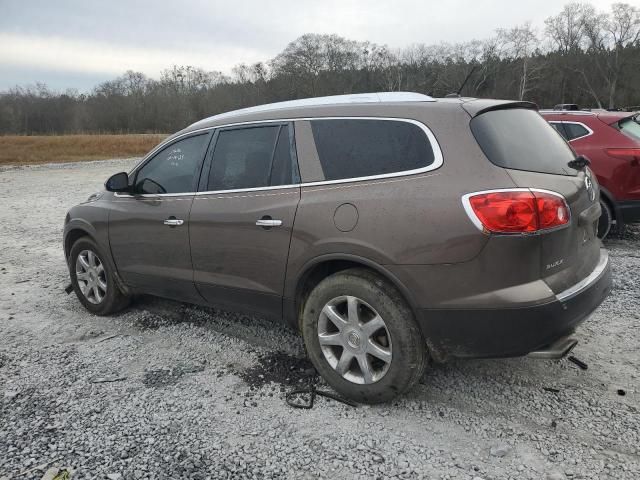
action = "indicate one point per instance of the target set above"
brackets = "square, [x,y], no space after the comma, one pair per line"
[388,228]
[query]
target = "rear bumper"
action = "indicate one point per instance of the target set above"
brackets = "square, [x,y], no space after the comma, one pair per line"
[512,332]
[629,210]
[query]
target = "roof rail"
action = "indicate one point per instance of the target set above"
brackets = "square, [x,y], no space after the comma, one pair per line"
[374,97]
[567,112]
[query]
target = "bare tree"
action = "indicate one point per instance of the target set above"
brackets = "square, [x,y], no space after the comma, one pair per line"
[302,60]
[567,29]
[389,69]
[582,56]
[519,43]
[609,36]
[567,34]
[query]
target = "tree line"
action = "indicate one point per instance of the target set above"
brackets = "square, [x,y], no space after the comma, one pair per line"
[581,55]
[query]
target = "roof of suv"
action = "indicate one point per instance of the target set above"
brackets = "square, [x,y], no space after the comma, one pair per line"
[376,97]
[603,115]
[366,103]
[294,105]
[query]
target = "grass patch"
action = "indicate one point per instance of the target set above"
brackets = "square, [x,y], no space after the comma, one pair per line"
[28,150]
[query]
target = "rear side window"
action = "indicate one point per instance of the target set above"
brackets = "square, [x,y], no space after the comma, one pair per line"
[353,148]
[575,130]
[522,140]
[252,158]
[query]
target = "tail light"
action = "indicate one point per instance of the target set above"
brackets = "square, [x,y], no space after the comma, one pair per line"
[632,154]
[517,210]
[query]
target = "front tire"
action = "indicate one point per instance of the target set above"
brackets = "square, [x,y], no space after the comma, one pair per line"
[362,338]
[93,279]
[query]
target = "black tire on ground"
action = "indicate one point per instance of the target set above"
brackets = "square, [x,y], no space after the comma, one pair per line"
[606,219]
[114,300]
[409,350]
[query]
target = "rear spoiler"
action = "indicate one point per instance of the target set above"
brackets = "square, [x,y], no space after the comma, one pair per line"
[477,107]
[610,118]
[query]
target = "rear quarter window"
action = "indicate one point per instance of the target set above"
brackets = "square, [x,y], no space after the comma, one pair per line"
[559,128]
[575,130]
[354,148]
[521,139]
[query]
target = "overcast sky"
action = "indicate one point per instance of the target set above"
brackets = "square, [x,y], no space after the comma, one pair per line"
[77,44]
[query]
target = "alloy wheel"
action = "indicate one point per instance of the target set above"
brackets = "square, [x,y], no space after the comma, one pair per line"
[354,340]
[91,276]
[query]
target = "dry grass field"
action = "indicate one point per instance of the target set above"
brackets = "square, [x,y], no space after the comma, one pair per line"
[25,150]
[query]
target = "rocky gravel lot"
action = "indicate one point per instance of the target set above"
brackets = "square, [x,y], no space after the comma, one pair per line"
[168,390]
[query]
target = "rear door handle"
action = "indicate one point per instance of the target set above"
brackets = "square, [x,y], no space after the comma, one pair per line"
[269,222]
[173,222]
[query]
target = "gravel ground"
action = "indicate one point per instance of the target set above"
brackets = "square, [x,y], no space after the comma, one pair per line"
[168,390]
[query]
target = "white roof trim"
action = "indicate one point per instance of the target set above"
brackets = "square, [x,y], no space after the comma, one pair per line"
[566,112]
[375,97]
[586,127]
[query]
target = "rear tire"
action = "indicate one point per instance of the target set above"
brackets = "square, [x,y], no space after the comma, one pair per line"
[606,219]
[93,279]
[384,339]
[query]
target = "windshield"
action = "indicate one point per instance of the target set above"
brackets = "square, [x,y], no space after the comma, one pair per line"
[521,139]
[631,126]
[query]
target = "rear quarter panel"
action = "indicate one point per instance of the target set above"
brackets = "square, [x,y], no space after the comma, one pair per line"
[407,220]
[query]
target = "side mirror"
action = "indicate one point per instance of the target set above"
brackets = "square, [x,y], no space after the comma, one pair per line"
[117,183]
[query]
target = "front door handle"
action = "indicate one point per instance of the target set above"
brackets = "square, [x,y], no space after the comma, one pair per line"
[268,222]
[173,222]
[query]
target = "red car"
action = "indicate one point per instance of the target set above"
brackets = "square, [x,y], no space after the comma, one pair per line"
[611,140]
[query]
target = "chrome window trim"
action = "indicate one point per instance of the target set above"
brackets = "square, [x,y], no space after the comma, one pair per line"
[586,282]
[589,131]
[466,204]
[153,195]
[253,189]
[438,158]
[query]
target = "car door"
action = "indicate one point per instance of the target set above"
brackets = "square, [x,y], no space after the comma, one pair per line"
[149,228]
[242,217]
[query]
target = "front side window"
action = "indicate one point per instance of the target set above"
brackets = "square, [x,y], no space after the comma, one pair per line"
[353,148]
[173,169]
[253,157]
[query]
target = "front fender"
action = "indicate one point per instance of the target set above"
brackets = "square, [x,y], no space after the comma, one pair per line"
[91,219]
[74,225]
